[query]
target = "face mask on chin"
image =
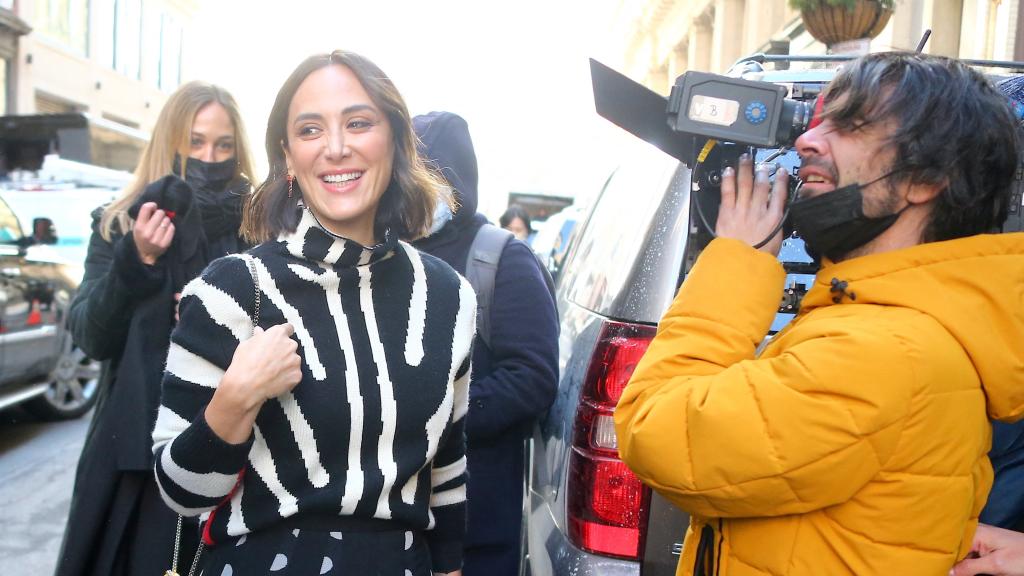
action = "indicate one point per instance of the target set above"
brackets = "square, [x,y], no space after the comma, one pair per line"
[833,224]
[442,214]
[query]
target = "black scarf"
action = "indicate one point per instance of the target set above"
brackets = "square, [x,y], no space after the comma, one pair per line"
[197,241]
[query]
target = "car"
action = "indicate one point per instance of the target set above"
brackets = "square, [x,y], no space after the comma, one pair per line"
[41,369]
[553,238]
[585,512]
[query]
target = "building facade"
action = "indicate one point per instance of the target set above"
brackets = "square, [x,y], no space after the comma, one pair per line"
[664,38]
[115,60]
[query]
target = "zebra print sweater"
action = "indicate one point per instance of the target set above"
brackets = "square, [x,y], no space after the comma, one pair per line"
[375,427]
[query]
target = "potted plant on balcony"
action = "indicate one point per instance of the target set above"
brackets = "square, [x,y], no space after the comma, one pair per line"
[834,21]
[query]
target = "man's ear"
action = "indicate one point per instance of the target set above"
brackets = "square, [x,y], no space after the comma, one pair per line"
[923,193]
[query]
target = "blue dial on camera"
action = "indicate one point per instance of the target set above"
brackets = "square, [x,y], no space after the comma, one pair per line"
[756,112]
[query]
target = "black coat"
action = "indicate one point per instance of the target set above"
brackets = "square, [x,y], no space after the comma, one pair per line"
[514,381]
[122,315]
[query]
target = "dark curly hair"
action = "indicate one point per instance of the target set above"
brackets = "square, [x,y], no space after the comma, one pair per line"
[954,129]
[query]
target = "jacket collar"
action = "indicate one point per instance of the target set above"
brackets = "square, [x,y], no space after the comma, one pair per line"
[311,241]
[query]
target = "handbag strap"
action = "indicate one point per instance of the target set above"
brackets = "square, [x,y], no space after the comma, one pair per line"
[251,264]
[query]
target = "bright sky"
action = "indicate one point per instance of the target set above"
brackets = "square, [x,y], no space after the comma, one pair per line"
[517,71]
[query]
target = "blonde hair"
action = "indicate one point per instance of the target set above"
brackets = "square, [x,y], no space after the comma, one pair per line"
[172,135]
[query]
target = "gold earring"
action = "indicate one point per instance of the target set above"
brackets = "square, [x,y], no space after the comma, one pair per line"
[291,181]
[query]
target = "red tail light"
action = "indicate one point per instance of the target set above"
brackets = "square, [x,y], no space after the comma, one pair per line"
[607,504]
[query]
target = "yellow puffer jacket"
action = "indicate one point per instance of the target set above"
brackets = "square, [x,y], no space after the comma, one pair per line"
[856,442]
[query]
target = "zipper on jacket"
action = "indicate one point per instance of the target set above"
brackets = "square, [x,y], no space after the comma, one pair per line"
[721,540]
[705,561]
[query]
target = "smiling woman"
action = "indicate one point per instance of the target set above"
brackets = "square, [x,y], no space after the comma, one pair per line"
[316,390]
[340,157]
[334,117]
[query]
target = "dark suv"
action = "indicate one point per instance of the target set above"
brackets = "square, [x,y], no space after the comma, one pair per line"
[39,365]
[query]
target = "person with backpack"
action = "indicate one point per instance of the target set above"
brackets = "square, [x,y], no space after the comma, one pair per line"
[515,355]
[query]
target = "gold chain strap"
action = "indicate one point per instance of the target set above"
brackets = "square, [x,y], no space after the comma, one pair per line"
[177,533]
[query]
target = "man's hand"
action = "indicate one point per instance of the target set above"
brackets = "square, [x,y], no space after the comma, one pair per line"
[153,233]
[748,212]
[995,551]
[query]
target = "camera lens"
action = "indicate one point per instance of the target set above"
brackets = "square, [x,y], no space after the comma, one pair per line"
[796,116]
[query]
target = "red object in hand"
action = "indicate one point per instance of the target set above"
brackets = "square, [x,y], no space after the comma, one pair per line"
[170,214]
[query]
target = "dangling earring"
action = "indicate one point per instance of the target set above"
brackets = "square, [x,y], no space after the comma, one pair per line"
[291,181]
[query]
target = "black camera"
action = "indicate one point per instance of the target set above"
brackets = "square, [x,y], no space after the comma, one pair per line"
[736,110]
[740,113]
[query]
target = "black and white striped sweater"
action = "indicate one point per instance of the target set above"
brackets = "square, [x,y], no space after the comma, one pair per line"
[375,427]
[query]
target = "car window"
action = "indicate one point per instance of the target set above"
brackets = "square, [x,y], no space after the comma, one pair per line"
[602,267]
[70,210]
[10,228]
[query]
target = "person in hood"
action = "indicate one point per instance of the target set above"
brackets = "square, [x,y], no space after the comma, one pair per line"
[515,376]
[181,210]
[856,442]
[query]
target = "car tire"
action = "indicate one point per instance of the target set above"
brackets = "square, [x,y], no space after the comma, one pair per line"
[74,384]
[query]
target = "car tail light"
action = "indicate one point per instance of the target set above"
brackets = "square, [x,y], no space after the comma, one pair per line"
[607,504]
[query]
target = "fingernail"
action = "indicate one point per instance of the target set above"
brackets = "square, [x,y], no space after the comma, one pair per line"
[727,172]
[744,157]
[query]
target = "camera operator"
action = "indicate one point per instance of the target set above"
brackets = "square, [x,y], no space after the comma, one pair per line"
[856,442]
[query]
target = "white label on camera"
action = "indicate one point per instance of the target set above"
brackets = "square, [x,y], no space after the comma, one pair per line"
[714,110]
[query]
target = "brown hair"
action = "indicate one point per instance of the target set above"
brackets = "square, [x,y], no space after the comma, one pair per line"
[172,135]
[407,205]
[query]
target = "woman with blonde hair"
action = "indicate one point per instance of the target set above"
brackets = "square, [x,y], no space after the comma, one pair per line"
[314,400]
[181,211]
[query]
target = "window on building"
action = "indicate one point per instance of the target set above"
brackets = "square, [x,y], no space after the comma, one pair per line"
[66,21]
[102,31]
[170,54]
[128,37]
[152,19]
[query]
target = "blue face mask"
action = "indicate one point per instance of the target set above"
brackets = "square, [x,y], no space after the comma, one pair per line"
[442,215]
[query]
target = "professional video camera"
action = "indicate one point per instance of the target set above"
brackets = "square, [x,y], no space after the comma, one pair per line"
[707,122]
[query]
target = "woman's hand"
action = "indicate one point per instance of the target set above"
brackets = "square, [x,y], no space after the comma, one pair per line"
[995,551]
[153,233]
[263,367]
[748,212]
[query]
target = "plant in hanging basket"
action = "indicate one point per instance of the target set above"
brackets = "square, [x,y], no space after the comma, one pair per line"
[832,21]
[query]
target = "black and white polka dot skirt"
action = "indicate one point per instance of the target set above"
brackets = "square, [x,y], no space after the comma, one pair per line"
[285,550]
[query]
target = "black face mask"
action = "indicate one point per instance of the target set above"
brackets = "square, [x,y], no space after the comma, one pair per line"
[207,176]
[217,194]
[834,224]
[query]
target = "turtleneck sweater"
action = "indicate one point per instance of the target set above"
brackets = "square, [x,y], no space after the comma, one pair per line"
[375,428]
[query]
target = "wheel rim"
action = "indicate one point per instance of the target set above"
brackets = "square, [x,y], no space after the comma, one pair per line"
[75,380]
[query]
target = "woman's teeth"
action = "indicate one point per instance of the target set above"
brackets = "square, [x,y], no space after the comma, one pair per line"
[339,178]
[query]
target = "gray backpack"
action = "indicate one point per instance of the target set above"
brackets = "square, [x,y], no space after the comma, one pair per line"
[481,269]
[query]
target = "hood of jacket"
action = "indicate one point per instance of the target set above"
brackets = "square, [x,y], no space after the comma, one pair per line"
[445,144]
[974,287]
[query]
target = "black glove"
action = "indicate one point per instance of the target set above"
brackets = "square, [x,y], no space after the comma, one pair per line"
[171,194]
